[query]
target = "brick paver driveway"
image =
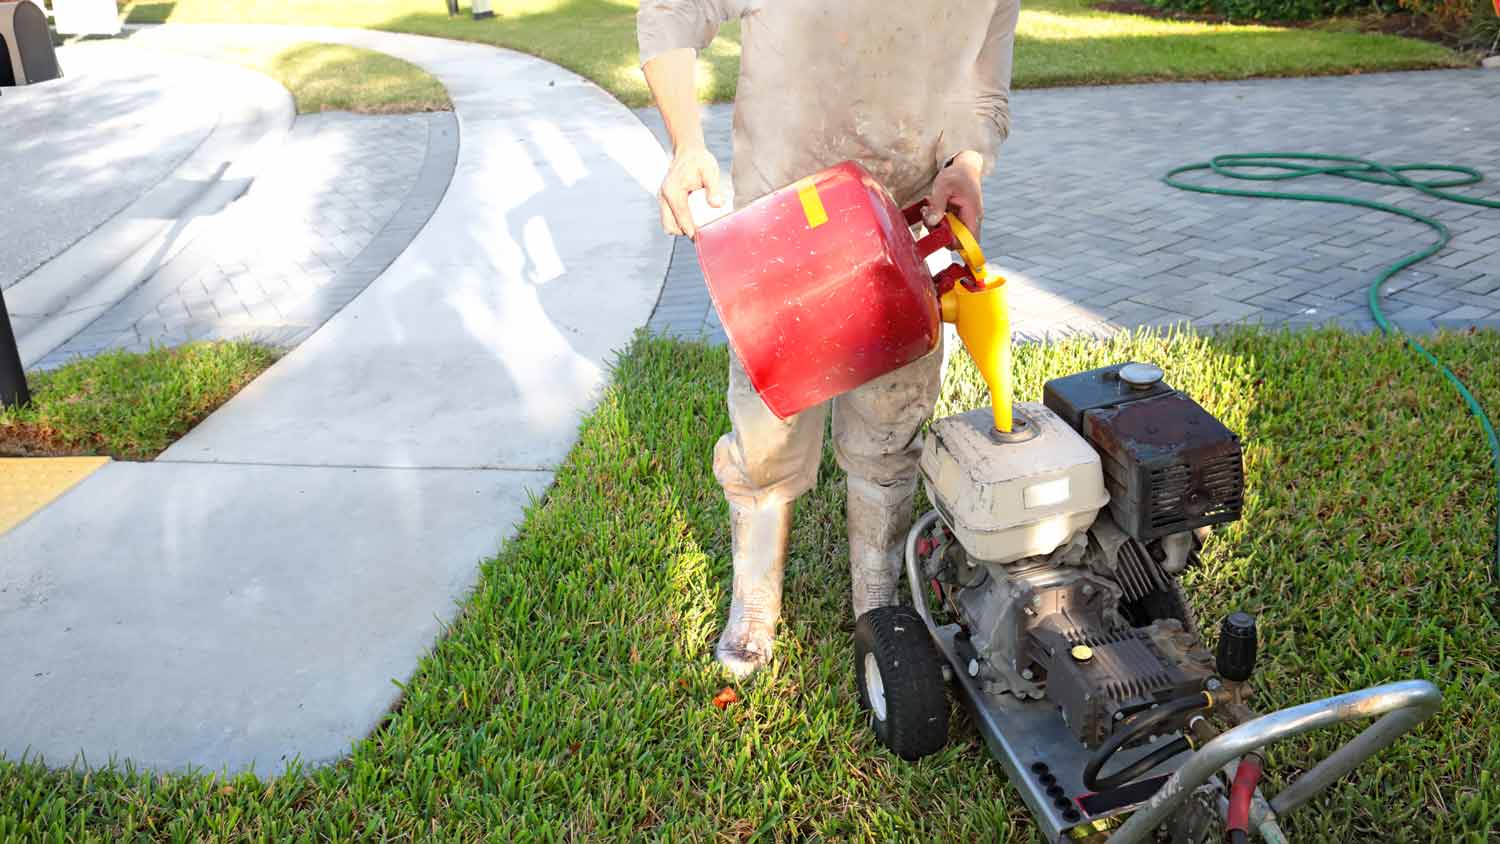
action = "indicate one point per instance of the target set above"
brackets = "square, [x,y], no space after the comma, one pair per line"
[1090,239]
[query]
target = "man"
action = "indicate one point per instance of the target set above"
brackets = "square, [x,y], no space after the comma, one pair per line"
[918,93]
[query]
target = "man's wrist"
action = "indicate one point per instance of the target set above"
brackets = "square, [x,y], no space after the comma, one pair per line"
[688,147]
[970,160]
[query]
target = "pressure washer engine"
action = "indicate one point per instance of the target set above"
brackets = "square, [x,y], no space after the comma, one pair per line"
[1055,550]
[1060,532]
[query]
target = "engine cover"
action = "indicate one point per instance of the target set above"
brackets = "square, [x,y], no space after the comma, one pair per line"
[1008,498]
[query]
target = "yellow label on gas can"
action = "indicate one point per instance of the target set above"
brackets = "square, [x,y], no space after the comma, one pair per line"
[812,204]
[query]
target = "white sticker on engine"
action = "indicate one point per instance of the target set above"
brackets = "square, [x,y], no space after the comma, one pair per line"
[1046,494]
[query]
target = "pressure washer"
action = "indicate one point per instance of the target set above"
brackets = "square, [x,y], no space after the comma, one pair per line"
[1045,583]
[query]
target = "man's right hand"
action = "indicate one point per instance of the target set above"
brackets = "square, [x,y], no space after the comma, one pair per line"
[693,168]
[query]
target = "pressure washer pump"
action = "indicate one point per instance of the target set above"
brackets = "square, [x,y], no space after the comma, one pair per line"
[1045,584]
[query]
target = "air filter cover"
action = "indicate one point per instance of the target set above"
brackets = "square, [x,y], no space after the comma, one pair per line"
[1007,498]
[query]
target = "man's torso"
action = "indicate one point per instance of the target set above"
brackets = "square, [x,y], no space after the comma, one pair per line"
[868,80]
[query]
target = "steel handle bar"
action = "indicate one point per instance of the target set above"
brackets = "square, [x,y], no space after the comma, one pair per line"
[915,578]
[1400,706]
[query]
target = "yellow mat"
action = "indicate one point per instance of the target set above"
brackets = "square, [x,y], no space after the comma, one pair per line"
[27,484]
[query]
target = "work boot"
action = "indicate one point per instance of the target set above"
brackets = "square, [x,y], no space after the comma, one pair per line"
[879,517]
[759,537]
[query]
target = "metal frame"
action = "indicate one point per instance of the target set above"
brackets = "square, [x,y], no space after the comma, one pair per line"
[1021,733]
[1400,706]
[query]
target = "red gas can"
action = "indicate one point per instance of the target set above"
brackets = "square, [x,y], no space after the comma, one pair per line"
[821,286]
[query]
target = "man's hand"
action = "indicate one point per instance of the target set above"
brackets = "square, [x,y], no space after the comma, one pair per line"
[693,167]
[956,189]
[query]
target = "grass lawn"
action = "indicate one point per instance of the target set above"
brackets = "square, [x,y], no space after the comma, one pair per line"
[1065,42]
[326,77]
[130,406]
[335,77]
[1059,42]
[571,698]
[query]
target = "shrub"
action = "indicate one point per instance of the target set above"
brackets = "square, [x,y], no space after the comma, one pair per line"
[1471,21]
[1483,28]
[1449,14]
[1286,10]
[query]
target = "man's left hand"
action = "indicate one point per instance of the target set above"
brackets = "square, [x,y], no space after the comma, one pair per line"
[956,189]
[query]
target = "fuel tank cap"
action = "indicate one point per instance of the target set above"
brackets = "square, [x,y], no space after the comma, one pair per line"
[1141,376]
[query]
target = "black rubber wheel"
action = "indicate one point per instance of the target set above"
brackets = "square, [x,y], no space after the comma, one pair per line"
[900,678]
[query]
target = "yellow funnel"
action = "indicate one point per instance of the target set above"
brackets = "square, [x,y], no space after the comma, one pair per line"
[983,321]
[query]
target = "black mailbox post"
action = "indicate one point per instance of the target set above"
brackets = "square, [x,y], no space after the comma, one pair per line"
[13,391]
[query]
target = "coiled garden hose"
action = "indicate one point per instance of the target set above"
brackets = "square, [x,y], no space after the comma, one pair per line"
[1282,166]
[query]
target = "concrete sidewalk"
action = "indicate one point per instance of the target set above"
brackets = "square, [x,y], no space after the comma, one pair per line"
[345,195]
[114,169]
[252,595]
[81,148]
[331,201]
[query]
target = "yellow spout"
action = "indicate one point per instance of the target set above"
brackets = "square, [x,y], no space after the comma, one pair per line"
[983,321]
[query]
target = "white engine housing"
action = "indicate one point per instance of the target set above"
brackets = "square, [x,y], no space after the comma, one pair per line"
[1008,497]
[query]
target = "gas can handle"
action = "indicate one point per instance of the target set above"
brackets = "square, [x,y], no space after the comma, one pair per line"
[950,233]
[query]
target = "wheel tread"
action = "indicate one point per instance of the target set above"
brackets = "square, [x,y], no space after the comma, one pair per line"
[916,722]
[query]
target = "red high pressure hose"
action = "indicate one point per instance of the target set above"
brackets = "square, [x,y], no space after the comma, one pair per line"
[1246,777]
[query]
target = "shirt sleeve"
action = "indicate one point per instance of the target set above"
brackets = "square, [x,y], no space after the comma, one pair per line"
[662,25]
[982,122]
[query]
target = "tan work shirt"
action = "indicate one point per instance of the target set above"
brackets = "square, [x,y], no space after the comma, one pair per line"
[898,86]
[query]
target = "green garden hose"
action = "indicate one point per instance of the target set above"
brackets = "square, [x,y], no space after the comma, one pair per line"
[1282,166]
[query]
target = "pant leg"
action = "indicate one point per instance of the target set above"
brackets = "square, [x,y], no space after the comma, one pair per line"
[764,461]
[877,427]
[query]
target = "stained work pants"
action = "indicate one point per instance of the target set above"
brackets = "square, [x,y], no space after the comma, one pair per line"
[764,461]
